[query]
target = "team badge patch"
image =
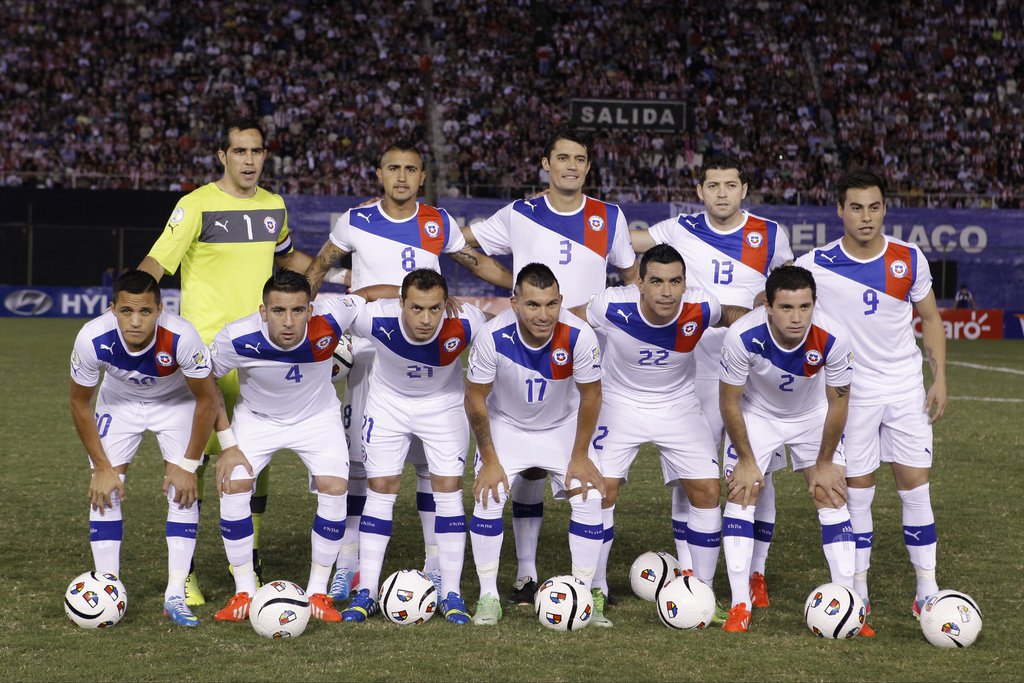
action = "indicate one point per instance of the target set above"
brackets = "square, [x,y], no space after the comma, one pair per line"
[813,357]
[690,328]
[553,618]
[833,608]
[76,360]
[199,358]
[404,595]
[755,239]
[323,342]
[671,608]
[560,356]
[270,224]
[165,359]
[556,597]
[898,269]
[432,228]
[287,617]
[595,223]
[178,215]
[452,344]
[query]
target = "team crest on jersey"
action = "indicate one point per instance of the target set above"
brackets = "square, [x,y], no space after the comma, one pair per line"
[755,239]
[178,215]
[165,359]
[432,228]
[813,357]
[76,360]
[898,269]
[452,344]
[323,342]
[199,359]
[560,356]
[690,328]
[595,223]
[270,224]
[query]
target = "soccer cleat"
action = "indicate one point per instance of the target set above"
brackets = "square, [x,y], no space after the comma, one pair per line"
[599,619]
[488,611]
[341,584]
[361,608]
[918,605]
[523,591]
[237,608]
[322,607]
[738,620]
[759,590]
[721,614]
[867,631]
[454,609]
[193,594]
[435,578]
[176,609]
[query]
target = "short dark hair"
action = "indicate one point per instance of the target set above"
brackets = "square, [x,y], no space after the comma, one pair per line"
[424,279]
[567,132]
[240,124]
[400,145]
[789,278]
[537,275]
[287,281]
[858,180]
[721,162]
[137,282]
[662,253]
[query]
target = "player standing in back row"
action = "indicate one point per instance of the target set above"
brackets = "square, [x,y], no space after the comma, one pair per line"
[577,237]
[871,283]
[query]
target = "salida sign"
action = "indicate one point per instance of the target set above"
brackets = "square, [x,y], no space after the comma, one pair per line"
[648,115]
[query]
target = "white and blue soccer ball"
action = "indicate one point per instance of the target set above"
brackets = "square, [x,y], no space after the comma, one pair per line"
[950,619]
[652,571]
[280,609]
[834,611]
[563,603]
[686,603]
[408,597]
[342,359]
[96,600]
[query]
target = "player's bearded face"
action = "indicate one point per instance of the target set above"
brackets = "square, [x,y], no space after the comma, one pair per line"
[537,310]
[789,315]
[422,312]
[136,318]
[567,166]
[243,160]
[722,191]
[661,290]
[286,314]
[863,214]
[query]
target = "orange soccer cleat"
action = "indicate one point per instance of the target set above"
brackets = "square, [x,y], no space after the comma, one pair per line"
[738,621]
[759,590]
[237,608]
[322,607]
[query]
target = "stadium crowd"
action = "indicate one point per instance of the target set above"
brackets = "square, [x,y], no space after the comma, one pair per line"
[133,95]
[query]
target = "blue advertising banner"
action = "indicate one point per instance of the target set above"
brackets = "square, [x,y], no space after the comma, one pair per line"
[65,302]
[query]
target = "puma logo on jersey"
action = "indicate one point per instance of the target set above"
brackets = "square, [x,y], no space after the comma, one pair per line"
[831,259]
[533,207]
[759,343]
[625,316]
[916,535]
[364,216]
[510,337]
[692,223]
[254,348]
[386,332]
[222,225]
[104,347]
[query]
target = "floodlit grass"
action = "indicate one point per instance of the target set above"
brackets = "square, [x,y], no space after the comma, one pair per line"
[44,544]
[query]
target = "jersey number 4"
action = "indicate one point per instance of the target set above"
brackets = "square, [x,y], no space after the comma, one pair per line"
[294,374]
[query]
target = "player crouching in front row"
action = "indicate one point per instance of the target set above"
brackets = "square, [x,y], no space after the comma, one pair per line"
[283,357]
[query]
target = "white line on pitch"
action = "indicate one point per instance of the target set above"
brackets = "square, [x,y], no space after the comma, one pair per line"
[988,399]
[993,368]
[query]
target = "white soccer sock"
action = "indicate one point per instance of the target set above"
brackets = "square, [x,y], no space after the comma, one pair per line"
[181,529]
[105,534]
[485,535]
[236,530]
[705,538]
[325,538]
[374,535]
[919,537]
[680,517]
[738,543]
[601,575]
[838,543]
[450,527]
[858,502]
[586,535]
[764,524]
[427,506]
[348,556]
[527,515]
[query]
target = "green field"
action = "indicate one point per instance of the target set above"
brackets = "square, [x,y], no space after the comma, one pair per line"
[44,544]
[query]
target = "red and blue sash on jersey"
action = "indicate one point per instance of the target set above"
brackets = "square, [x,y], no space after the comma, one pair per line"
[322,334]
[593,227]
[754,245]
[893,272]
[803,361]
[160,361]
[452,339]
[552,361]
[682,337]
[427,230]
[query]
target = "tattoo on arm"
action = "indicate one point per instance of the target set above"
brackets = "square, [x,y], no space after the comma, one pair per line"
[481,430]
[466,258]
[930,355]
[842,391]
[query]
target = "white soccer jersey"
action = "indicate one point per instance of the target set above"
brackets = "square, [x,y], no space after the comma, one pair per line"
[385,250]
[411,369]
[285,386]
[645,363]
[576,246]
[534,388]
[147,375]
[782,384]
[731,265]
[874,300]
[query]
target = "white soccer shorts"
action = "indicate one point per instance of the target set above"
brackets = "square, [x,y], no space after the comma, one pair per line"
[707,394]
[391,426]
[121,425]
[769,436]
[894,432]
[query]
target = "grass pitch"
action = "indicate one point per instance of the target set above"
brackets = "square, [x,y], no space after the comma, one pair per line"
[44,544]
